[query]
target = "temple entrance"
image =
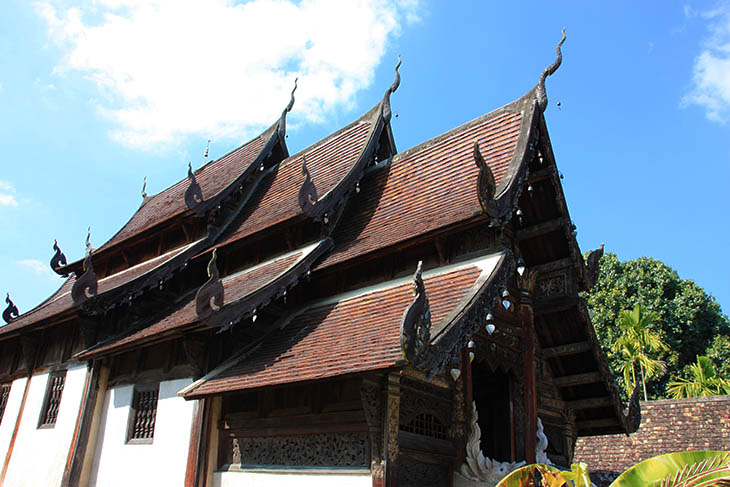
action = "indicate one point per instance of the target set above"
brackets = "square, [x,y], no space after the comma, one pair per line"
[492,392]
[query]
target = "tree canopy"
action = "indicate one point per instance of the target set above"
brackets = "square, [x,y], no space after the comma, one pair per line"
[689,322]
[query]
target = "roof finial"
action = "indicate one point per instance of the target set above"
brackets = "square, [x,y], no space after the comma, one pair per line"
[291,101]
[144,188]
[11,312]
[415,327]
[386,98]
[282,122]
[486,186]
[88,241]
[307,192]
[58,259]
[194,194]
[209,297]
[541,94]
[205,155]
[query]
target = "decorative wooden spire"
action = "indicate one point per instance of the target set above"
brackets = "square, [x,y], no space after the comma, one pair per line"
[58,259]
[592,262]
[86,285]
[11,312]
[144,189]
[386,98]
[193,195]
[308,192]
[486,187]
[541,95]
[415,328]
[209,298]
[282,123]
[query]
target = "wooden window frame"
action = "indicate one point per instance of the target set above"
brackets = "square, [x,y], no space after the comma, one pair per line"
[4,395]
[141,388]
[47,400]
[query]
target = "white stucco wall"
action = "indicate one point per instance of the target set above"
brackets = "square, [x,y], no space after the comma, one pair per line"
[285,479]
[39,455]
[161,463]
[12,408]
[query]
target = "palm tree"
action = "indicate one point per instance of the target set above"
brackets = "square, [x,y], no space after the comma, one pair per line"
[636,341]
[704,381]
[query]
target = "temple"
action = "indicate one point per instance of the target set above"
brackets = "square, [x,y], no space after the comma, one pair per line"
[349,315]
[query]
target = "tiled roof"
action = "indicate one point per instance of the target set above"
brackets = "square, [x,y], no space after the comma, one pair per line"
[355,332]
[212,178]
[236,287]
[328,162]
[427,187]
[61,301]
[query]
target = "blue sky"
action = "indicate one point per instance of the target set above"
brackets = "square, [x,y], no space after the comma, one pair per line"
[96,95]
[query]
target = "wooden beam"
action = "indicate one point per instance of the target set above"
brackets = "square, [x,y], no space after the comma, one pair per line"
[542,174]
[578,379]
[594,402]
[567,349]
[597,423]
[554,265]
[541,228]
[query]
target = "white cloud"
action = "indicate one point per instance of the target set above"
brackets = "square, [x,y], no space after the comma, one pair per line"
[170,68]
[711,72]
[38,268]
[7,198]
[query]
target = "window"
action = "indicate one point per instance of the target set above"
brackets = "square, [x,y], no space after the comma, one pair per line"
[4,393]
[141,427]
[52,401]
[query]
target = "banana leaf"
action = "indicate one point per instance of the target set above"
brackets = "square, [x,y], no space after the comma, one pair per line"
[525,476]
[679,469]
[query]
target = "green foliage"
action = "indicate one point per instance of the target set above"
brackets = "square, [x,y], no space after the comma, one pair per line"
[680,469]
[704,381]
[719,352]
[689,319]
[636,344]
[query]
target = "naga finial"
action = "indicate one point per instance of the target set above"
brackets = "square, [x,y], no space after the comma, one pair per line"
[193,194]
[11,312]
[209,298]
[386,98]
[541,95]
[486,185]
[88,241]
[205,154]
[144,188]
[307,192]
[415,328]
[282,122]
[58,259]
[291,100]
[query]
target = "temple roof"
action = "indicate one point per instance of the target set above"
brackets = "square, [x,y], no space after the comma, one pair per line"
[243,292]
[433,185]
[61,301]
[354,332]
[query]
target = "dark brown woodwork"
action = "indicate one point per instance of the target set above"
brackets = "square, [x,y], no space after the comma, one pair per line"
[391,430]
[80,439]
[578,379]
[594,402]
[567,349]
[542,228]
[596,423]
[195,470]
[530,397]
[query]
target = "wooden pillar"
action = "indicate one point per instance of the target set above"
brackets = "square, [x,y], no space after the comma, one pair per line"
[195,472]
[462,408]
[527,318]
[391,426]
[371,395]
[215,406]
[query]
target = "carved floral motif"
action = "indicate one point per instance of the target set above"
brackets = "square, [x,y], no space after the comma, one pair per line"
[324,450]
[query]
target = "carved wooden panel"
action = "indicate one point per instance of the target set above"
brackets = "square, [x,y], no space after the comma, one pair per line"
[4,393]
[52,401]
[143,414]
[555,284]
[321,450]
[416,474]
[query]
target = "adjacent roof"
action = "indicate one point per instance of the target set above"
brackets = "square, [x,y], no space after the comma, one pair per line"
[432,185]
[61,300]
[330,162]
[214,179]
[350,333]
[241,292]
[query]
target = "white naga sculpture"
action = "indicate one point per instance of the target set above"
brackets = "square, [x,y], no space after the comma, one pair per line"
[481,471]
